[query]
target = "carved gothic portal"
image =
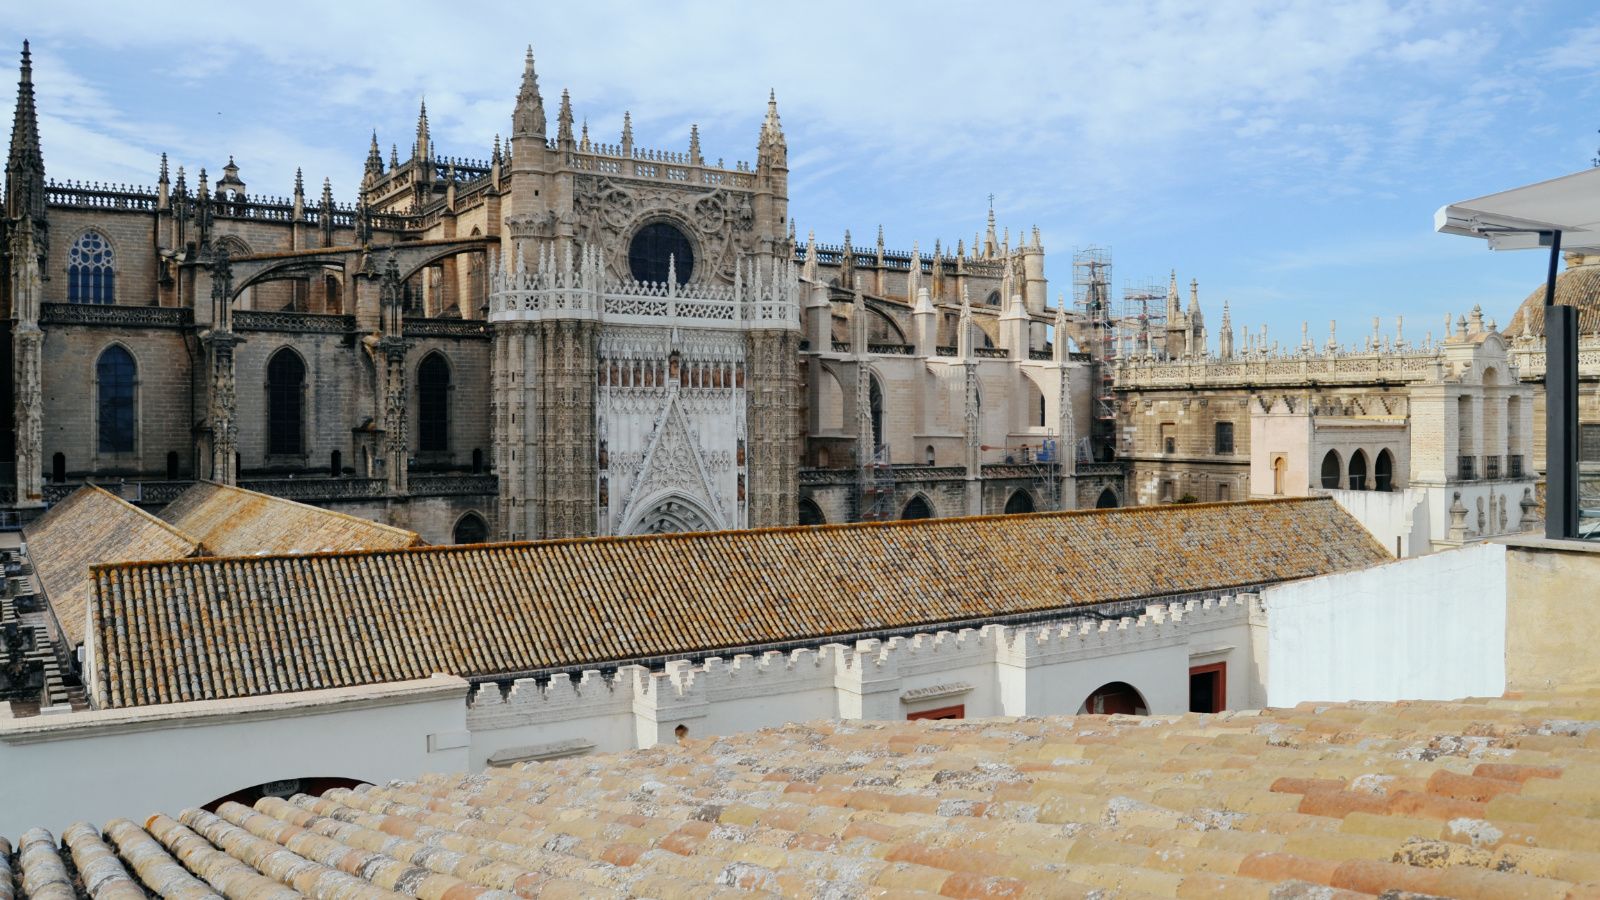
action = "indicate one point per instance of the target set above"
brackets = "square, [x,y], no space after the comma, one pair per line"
[673,514]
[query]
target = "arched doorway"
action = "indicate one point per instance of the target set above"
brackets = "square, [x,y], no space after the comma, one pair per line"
[1358,471]
[1383,471]
[1107,500]
[1332,468]
[1280,475]
[672,514]
[471,529]
[918,508]
[811,513]
[1020,502]
[1115,698]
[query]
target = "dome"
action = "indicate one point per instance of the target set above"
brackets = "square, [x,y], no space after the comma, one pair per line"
[1578,285]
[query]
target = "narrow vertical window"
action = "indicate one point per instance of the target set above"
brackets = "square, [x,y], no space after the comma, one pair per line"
[114,383]
[433,404]
[90,275]
[286,390]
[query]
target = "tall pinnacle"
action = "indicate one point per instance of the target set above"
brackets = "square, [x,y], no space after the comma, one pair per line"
[422,132]
[25,165]
[564,119]
[374,156]
[528,118]
[772,145]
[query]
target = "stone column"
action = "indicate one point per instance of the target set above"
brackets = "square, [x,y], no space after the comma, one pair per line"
[27,291]
[222,460]
[772,397]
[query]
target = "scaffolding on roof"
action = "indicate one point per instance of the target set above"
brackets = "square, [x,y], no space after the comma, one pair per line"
[1097,336]
[1142,324]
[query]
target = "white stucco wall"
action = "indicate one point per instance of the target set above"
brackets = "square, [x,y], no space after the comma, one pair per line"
[1399,520]
[97,765]
[1429,628]
[1047,669]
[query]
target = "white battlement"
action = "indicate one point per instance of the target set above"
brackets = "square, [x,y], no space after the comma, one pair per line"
[993,670]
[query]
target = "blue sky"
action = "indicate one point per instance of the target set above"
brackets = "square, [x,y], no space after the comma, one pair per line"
[1287,155]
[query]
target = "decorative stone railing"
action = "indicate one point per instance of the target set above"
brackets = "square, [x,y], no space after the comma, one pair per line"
[1356,368]
[297,322]
[891,349]
[456,328]
[1098,468]
[450,485]
[1528,356]
[320,488]
[115,316]
[991,352]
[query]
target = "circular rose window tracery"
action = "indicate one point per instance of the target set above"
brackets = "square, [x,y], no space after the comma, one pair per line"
[654,247]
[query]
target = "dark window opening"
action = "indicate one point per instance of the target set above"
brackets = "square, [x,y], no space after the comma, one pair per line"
[1224,438]
[335,464]
[477,461]
[918,508]
[1208,688]
[875,401]
[1116,698]
[114,376]
[172,465]
[1383,471]
[471,530]
[1020,502]
[433,405]
[286,379]
[1331,470]
[811,513]
[58,468]
[655,248]
[1107,500]
[1358,471]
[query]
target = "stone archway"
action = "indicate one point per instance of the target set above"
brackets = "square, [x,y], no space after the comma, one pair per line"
[1115,698]
[1107,500]
[672,514]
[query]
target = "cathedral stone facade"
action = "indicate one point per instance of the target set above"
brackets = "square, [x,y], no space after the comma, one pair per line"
[567,337]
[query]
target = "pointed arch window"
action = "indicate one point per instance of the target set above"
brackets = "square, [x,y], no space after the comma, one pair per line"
[115,376]
[433,404]
[286,400]
[91,276]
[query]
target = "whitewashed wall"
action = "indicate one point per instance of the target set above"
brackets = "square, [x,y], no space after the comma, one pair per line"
[97,765]
[1397,519]
[1049,669]
[1429,628]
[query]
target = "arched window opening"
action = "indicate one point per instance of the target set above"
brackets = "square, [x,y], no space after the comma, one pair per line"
[1358,471]
[1331,470]
[58,468]
[286,398]
[875,440]
[1107,500]
[681,733]
[1280,475]
[993,299]
[653,247]
[477,461]
[433,404]
[1115,698]
[1020,502]
[332,301]
[811,513]
[929,455]
[472,529]
[1383,471]
[918,508]
[91,276]
[115,375]
[336,464]
[172,465]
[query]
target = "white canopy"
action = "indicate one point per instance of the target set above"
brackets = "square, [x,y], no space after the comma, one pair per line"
[1569,204]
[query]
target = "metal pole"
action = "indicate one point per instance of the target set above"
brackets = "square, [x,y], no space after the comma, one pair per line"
[1561,408]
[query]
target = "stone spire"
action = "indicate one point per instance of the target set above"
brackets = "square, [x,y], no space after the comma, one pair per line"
[163,187]
[374,169]
[991,243]
[583,142]
[423,152]
[564,121]
[25,164]
[299,195]
[695,159]
[1225,337]
[627,133]
[772,151]
[528,118]
[809,270]
[1173,310]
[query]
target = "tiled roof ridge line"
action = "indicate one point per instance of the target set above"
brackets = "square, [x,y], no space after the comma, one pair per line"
[694,536]
[199,546]
[986,644]
[279,501]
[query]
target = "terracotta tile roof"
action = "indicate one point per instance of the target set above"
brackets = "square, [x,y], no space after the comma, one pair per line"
[205,629]
[91,526]
[1475,799]
[235,522]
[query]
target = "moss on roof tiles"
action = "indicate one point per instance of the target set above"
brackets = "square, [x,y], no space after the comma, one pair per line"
[285,622]
[232,521]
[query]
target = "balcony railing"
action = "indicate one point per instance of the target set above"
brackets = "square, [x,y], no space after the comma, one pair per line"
[1466,470]
[1514,465]
[1491,467]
